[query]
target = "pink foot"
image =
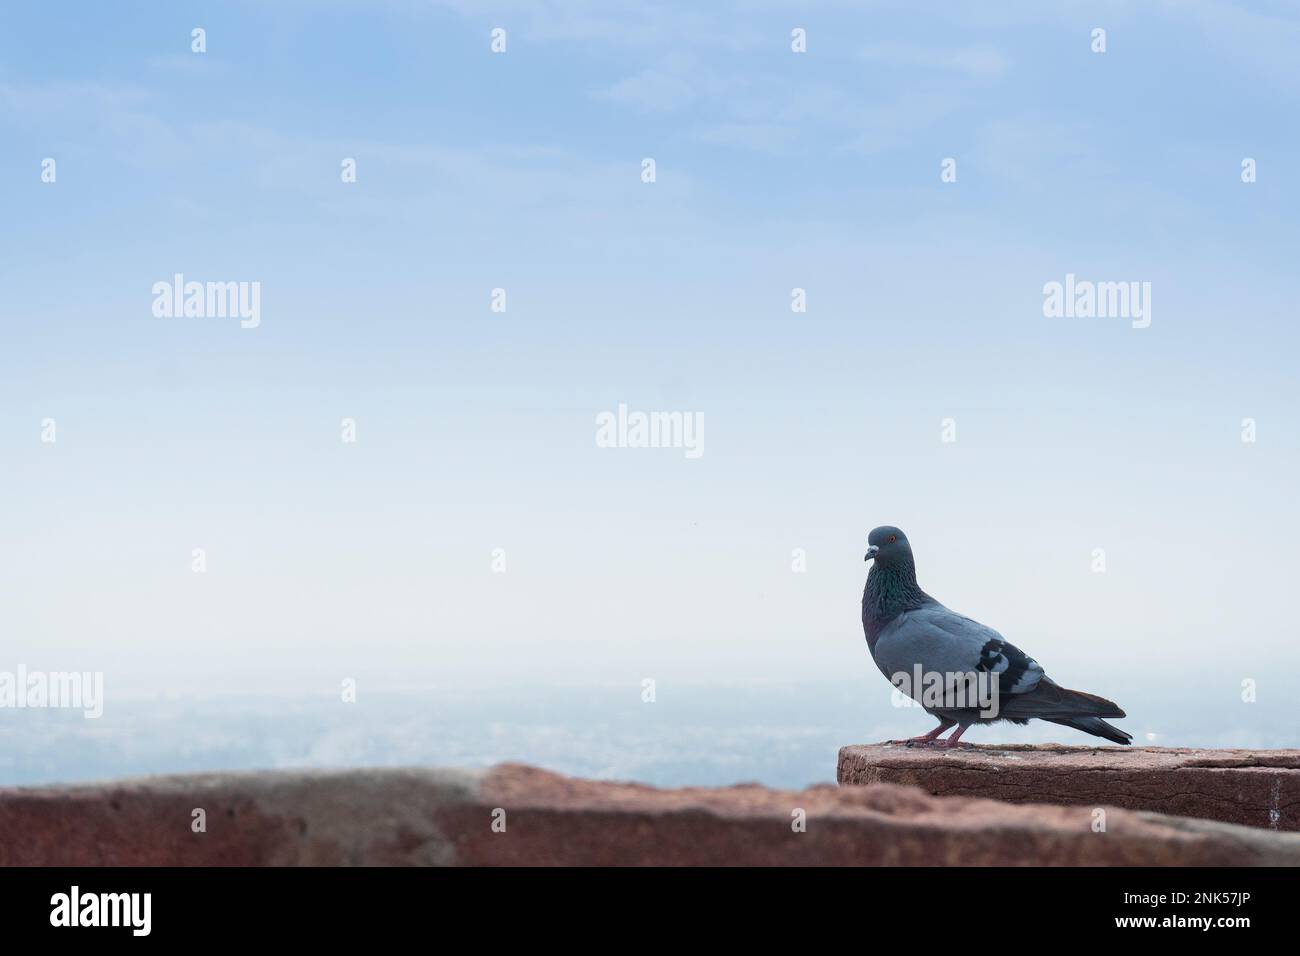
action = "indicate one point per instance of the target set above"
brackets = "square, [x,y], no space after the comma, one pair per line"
[926,740]
[952,742]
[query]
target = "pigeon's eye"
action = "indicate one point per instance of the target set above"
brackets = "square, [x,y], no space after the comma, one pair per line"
[891,539]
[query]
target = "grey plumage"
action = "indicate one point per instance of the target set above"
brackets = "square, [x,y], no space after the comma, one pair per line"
[907,629]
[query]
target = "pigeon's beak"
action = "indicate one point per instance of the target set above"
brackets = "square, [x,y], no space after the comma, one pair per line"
[872,551]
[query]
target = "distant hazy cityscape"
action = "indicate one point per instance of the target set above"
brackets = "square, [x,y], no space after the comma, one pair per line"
[781,735]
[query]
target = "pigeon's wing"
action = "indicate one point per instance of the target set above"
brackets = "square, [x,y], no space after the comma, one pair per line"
[945,642]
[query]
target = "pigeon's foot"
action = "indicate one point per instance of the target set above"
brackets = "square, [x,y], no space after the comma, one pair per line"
[952,741]
[926,740]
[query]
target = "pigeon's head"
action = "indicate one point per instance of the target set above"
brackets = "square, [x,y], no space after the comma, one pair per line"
[887,545]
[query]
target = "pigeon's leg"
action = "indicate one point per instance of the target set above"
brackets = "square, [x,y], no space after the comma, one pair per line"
[952,741]
[925,739]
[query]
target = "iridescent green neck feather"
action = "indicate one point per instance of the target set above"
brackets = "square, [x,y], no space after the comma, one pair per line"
[891,589]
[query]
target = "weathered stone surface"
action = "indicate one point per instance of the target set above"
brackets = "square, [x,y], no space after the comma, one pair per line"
[438,817]
[1253,787]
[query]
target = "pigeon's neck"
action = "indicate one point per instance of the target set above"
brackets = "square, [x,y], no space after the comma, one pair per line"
[890,591]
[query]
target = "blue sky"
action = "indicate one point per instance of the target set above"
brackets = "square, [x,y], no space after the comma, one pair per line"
[521,171]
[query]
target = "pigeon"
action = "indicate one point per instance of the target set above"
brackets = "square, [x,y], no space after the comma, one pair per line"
[912,636]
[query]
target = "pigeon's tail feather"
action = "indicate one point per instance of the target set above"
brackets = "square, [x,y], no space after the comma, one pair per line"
[1097,727]
[1049,701]
[1091,704]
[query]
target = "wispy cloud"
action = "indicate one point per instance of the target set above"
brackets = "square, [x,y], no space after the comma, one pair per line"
[187,63]
[975,61]
[629,24]
[653,90]
[761,137]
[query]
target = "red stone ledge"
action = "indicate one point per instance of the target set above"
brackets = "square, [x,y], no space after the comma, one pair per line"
[445,817]
[1259,788]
